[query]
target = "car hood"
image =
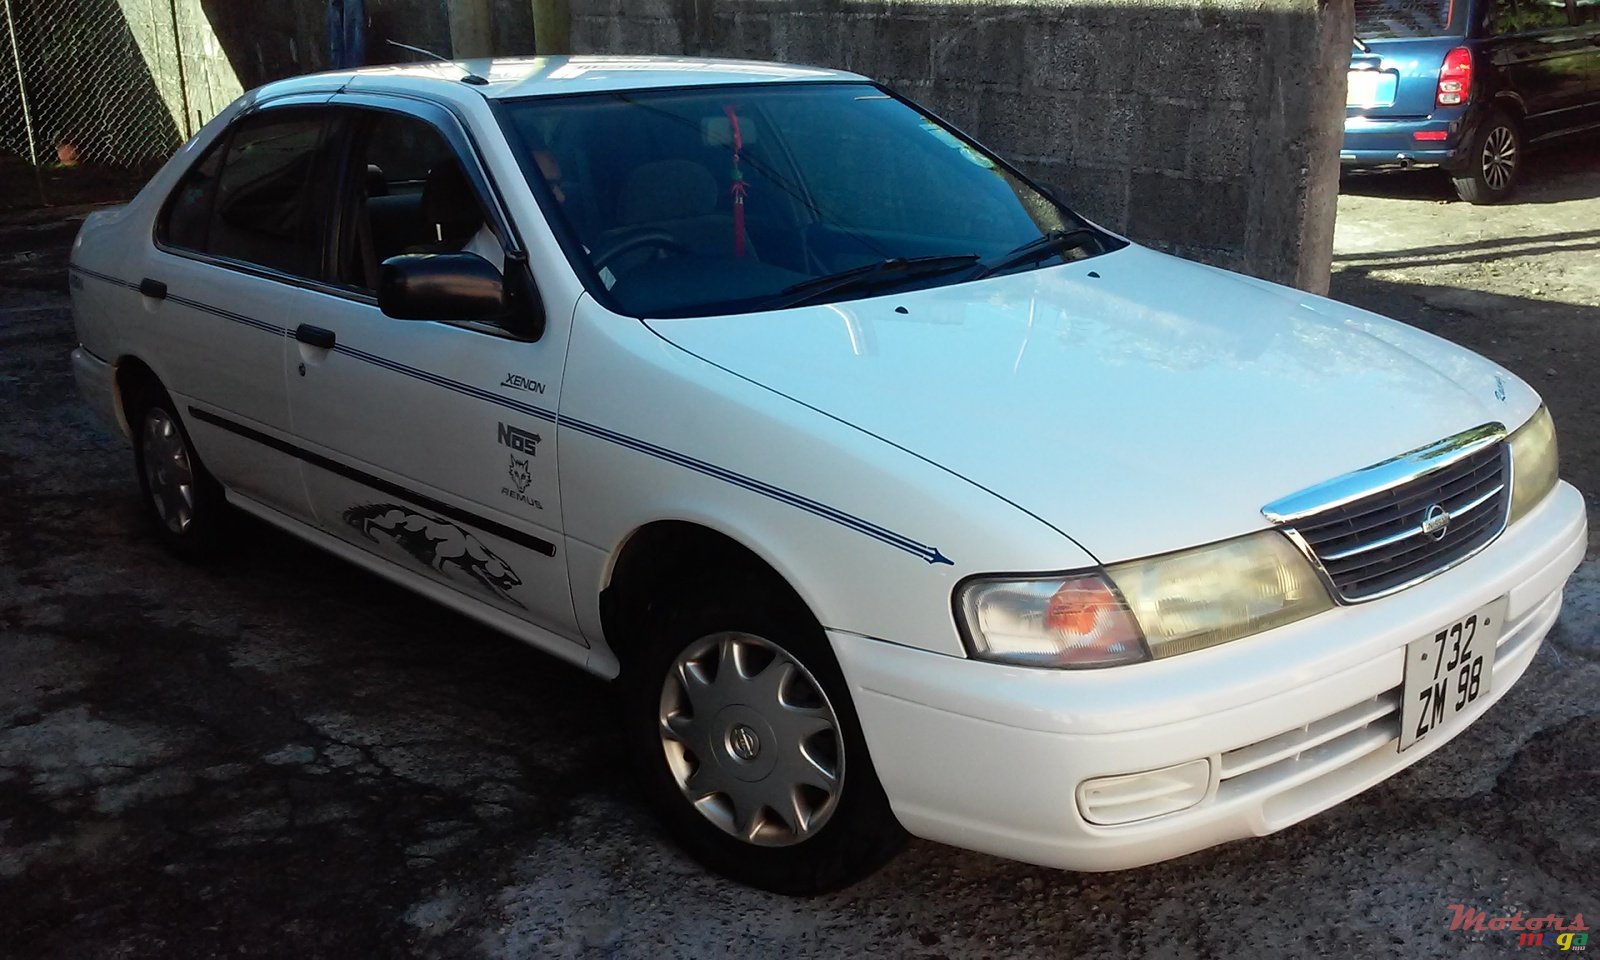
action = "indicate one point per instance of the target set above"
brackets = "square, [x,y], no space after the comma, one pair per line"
[1136,402]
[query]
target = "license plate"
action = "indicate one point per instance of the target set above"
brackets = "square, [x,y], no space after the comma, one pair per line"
[1448,671]
[1370,88]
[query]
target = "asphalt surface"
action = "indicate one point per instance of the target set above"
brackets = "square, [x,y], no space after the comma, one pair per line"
[282,756]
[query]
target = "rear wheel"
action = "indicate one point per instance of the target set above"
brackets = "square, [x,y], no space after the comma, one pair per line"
[184,502]
[744,740]
[1494,161]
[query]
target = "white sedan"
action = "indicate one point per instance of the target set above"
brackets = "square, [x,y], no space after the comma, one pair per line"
[896,496]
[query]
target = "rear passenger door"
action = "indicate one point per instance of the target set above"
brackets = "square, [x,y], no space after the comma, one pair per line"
[238,255]
[431,445]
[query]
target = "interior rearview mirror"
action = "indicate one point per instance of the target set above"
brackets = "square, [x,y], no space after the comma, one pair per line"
[441,286]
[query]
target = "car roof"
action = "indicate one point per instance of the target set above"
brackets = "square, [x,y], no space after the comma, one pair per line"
[544,76]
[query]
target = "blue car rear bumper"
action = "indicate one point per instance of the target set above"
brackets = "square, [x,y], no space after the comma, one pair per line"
[1371,143]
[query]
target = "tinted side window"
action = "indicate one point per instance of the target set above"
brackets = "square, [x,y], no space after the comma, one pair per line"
[404,149]
[189,209]
[408,194]
[1522,16]
[264,212]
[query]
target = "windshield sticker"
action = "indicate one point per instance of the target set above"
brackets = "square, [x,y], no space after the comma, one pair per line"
[439,544]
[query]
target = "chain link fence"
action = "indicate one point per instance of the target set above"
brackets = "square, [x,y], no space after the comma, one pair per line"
[92,82]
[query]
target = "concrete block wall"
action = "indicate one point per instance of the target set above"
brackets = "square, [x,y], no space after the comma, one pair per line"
[1209,128]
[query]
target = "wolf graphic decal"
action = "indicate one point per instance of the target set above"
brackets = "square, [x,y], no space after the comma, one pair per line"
[438,543]
[521,474]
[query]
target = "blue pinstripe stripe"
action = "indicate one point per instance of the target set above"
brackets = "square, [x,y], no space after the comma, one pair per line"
[798,501]
[74,268]
[866,527]
[459,387]
[230,315]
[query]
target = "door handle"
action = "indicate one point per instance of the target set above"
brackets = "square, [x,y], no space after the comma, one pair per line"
[319,337]
[154,289]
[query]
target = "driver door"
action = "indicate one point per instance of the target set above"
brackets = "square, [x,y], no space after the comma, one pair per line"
[431,445]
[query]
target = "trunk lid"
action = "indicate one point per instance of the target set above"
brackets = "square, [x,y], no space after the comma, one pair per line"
[1397,76]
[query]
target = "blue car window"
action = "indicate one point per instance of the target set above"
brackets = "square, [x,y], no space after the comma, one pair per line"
[1385,19]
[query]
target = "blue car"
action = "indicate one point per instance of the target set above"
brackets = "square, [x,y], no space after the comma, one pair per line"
[1468,85]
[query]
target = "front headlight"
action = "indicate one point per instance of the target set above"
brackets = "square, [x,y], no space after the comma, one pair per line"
[1209,595]
[1534,463]
[1155,607]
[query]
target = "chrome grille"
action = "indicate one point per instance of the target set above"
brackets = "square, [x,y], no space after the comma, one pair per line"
[1378,542]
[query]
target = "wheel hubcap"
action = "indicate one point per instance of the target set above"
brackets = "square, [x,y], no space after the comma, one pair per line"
[1499,158]
[751,739]
[168,472]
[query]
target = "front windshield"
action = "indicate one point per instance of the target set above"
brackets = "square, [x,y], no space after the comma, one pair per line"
[719,200]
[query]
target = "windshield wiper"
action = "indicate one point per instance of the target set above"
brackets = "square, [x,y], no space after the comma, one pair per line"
[1037,249]
[892,270]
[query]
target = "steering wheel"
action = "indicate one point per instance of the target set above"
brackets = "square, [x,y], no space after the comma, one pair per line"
[636,239]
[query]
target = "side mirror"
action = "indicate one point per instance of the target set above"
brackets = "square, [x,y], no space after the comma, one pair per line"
[441,286]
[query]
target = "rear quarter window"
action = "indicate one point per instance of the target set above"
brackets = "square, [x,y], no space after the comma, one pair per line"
[188,212]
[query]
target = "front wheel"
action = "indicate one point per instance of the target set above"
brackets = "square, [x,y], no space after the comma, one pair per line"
[744,741]
[1494,161]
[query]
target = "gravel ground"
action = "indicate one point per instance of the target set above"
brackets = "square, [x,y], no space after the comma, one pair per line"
[284,756]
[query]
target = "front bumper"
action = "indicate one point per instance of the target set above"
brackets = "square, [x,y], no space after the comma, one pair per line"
[1292,721]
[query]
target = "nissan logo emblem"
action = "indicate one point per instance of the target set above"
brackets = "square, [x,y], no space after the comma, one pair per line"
[1436,522]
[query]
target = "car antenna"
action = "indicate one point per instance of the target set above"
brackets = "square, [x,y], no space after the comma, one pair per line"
[471,77]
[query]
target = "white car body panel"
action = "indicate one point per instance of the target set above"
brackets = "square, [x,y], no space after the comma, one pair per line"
[838,493]
[1049,420]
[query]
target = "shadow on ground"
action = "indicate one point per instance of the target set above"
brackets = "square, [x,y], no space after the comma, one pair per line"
[1488,250]
[1555,174]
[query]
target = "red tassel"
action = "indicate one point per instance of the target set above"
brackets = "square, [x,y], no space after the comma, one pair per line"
[739,188]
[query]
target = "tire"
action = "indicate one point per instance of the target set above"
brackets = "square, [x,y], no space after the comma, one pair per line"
[1494,160]
[831,837]
[184,502]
